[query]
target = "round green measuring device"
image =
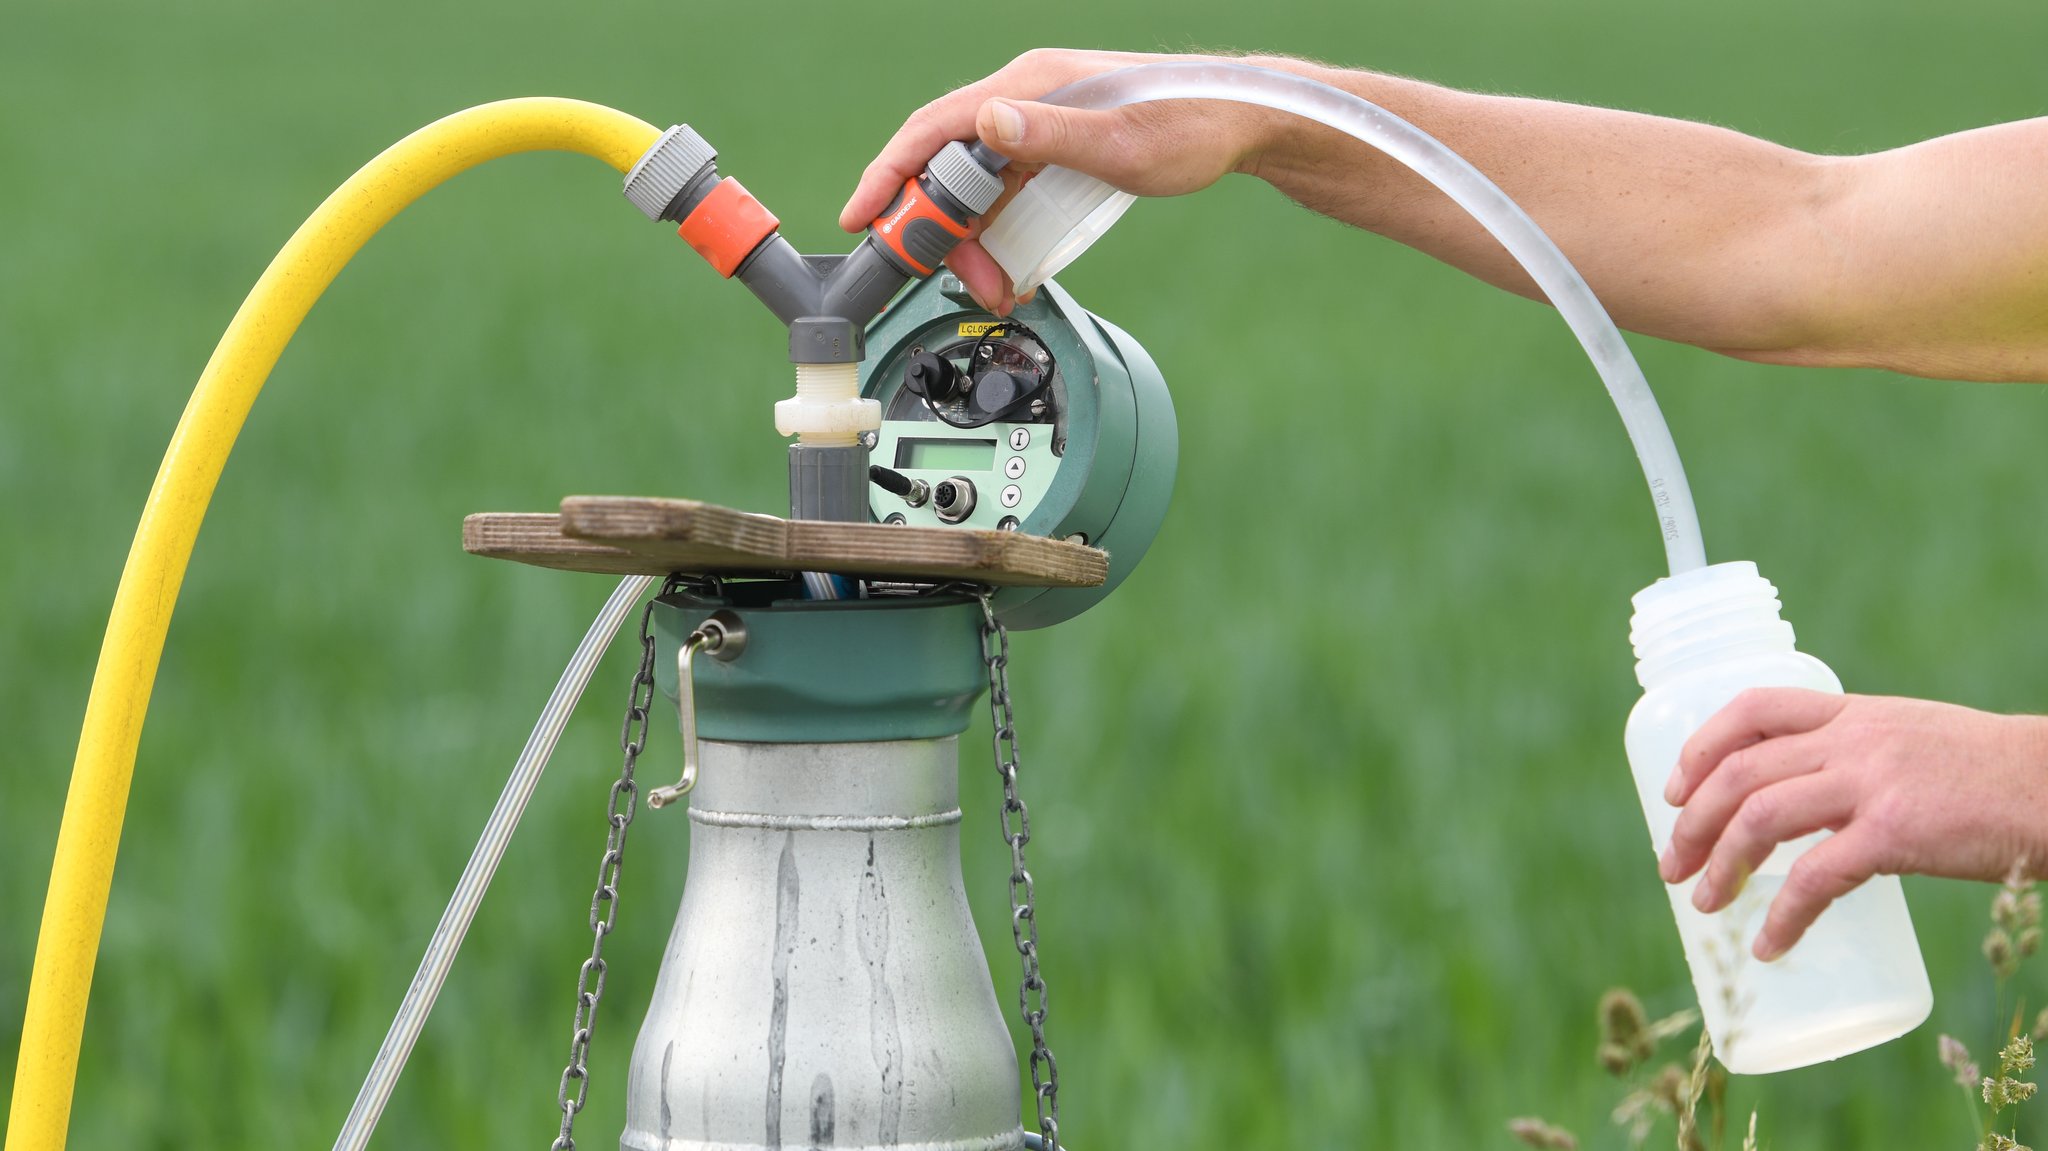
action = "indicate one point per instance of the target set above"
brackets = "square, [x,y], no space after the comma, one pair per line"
[1052,422]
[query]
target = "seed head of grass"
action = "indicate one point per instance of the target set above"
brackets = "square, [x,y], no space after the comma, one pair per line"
[1676,1023]
[1637,1112]
[2001,954]
[1535,1132]
[1956,1058]
[1669,1086]
[2018,1056]
[1624,1024]
[2005,1092]
[1689,1107]
[2017,905]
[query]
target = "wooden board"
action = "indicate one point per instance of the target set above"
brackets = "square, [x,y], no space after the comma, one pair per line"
[622,535]
[536,538]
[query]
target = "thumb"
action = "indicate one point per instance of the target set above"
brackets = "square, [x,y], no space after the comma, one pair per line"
[1034,133]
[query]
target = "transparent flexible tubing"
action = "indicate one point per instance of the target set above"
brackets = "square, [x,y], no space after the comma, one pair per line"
[483,864]
[74,910]
[1479,196]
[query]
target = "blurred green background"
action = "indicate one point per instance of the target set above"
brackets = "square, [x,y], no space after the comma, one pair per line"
[1336,841]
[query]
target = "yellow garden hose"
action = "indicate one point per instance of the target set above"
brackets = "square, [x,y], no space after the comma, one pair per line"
[75,908]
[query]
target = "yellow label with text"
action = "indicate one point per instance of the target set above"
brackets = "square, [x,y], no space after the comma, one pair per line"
[976,329]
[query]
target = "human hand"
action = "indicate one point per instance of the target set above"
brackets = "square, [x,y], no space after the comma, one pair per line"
[1161,148]
[1906,785]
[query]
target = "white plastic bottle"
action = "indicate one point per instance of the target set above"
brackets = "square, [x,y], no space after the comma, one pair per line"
[1048,224]
[1856,978]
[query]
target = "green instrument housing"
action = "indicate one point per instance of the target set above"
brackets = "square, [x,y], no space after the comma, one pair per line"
[1094,459]
[828,671]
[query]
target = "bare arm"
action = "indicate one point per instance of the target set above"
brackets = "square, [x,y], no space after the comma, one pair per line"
[1930,259]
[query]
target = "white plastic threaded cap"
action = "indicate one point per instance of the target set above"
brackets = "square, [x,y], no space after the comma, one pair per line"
[1050,222]
[827,406]
[1721,607]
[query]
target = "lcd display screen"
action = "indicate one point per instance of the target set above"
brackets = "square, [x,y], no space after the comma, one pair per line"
[946,455]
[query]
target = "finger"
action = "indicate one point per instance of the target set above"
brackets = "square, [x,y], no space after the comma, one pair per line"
[984,279]
[1833,868]
[952,117]
[1756,715]
[1731,782]
[930,128]
[1095,143]
[1823,800]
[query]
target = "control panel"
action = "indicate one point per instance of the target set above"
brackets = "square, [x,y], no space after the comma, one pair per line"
[975,427]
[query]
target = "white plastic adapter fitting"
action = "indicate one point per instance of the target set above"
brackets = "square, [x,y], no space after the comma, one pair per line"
[1050,222]
[827,407]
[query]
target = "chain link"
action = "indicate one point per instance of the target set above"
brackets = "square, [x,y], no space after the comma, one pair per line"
[604,905]
[1032,1003]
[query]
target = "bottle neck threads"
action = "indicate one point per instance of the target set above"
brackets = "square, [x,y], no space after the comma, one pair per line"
[1706,615]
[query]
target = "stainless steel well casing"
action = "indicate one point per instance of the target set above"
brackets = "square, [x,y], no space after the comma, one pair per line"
[824,986]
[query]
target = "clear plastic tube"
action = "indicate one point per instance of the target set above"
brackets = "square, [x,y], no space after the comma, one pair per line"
[483,864]
[1479,196]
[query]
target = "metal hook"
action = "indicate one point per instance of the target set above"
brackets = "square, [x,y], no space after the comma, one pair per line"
[723,637]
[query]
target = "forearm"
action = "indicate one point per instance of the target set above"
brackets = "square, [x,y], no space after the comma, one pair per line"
[1670,221]
[1926,259]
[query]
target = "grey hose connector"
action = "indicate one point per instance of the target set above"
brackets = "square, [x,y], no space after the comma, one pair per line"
[987,157]
[677,162]
[964,179]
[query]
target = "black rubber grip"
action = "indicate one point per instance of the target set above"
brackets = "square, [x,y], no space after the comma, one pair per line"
[889,480]
[927,243]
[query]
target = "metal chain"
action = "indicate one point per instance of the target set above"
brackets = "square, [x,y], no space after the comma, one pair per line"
[1032,1003]
[604,905]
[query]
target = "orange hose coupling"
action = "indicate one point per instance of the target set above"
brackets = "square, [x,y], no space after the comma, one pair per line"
[727,225]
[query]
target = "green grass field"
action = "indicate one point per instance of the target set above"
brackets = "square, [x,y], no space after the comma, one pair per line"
[1336,844]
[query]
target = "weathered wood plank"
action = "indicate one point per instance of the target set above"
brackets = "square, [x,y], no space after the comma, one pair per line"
[983,556]
[536,538]
[627,534]
[716,533]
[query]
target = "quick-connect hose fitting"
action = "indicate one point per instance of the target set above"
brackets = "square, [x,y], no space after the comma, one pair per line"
[934,210]
[677,180]
[673,176]
[827,410]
